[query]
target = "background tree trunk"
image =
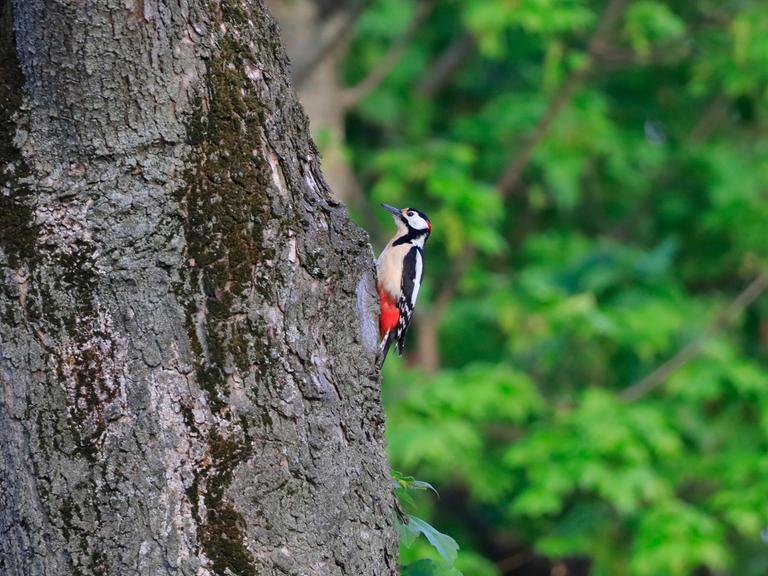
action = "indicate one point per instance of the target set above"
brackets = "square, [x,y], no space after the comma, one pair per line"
[187,320]
[317,35]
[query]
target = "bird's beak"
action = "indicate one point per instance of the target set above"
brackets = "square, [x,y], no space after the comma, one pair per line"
[392,209]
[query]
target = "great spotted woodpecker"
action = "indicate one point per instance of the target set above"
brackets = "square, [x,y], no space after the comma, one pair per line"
[400,268]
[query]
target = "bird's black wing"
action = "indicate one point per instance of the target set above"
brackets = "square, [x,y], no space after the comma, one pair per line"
[413,271]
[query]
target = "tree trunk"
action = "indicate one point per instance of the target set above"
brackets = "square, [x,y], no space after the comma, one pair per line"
[187,320]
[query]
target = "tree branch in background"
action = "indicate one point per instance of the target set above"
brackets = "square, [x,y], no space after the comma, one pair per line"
[335,42]
[667,54]
[713,115]
[512,173]
[449,61]
[384,67]
[688,352]
[429,323]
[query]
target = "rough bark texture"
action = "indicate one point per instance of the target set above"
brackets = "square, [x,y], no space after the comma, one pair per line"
[187,321]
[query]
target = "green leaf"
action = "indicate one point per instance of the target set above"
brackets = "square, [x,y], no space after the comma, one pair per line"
[649,21]
[421,485]
[428,567]
[444,544]
[407,532]
[423,567]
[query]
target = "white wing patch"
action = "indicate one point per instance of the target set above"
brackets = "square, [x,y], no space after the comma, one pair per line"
[417,273]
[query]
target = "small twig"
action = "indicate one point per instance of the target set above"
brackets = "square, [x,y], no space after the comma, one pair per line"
[446,65]
[384,67]
[709,120]
[666,54]
[451,285]
[510,177]
[513,562]
[688,352]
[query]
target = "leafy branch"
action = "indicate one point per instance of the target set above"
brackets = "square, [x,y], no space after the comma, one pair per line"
[384,67]
[511,174]
[657,377]
[411,527]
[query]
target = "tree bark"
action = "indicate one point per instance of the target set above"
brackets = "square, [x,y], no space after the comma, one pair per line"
[187,320]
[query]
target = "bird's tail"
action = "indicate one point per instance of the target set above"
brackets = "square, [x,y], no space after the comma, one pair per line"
[386,342]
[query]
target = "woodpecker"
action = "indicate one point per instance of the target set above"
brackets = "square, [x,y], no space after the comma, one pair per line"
[400,268]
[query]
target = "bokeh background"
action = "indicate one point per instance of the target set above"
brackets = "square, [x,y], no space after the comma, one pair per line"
[585,381]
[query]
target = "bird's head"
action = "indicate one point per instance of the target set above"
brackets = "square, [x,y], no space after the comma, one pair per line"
[410,220]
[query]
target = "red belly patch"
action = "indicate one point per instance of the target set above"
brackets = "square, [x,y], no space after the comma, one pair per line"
[389,312]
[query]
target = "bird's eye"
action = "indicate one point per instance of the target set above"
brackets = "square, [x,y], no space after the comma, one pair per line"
[410,213]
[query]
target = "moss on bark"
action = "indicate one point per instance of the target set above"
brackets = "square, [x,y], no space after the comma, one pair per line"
[17,231]
[223,533]
[226,204]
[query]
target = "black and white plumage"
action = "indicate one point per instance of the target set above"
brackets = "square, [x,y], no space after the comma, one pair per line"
[400,269]
[413,272]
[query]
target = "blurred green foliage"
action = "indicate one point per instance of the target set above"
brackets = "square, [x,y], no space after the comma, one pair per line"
[641,213]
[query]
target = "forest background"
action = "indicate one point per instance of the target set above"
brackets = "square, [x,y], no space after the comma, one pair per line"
[585,381]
